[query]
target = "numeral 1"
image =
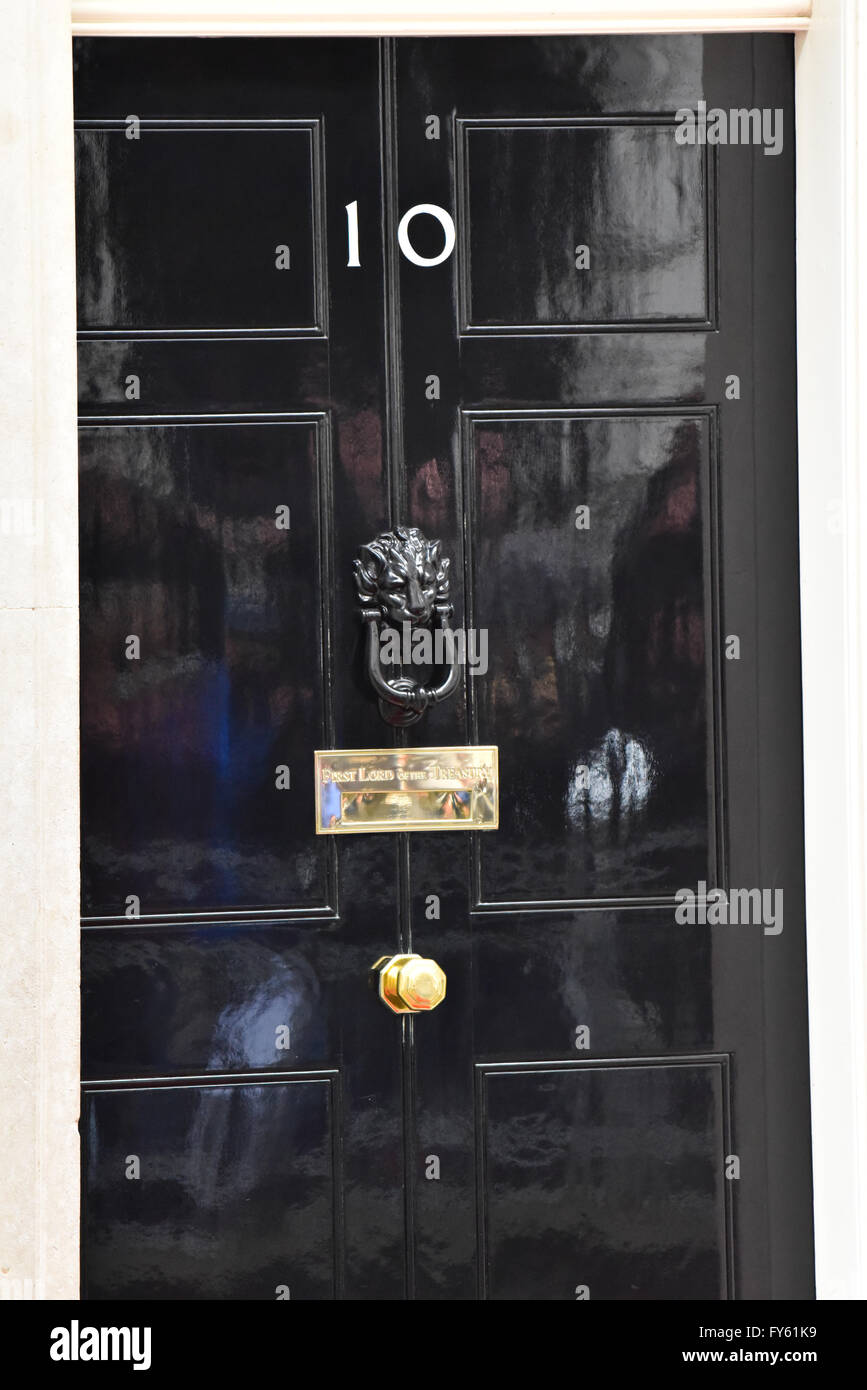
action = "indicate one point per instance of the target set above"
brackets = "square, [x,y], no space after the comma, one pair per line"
[352,234]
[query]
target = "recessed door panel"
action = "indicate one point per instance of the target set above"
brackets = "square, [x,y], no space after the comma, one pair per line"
[589,543]
[603,1181]
[233,1001]
[589,224]
[621,981]
[211,1192]
[199,226]
[205,618]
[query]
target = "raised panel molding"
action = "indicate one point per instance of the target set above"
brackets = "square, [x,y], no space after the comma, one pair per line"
[707,417]
[609,1159]
[203,242]
[564,288]
[318,424]
[261,1167]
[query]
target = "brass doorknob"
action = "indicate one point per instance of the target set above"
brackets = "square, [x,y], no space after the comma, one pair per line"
[410,984]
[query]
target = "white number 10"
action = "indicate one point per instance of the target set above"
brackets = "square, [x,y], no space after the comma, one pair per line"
[403,241]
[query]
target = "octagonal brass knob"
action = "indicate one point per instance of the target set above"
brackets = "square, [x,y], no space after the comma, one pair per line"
[410,984]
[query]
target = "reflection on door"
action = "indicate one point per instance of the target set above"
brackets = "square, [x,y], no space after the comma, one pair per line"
[476,287]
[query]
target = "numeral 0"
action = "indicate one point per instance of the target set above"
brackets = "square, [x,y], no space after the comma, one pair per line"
[403,241]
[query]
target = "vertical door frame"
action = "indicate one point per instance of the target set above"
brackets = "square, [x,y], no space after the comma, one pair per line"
[39,594]
[39,905]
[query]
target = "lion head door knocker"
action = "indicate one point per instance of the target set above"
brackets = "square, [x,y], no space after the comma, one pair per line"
[403,582]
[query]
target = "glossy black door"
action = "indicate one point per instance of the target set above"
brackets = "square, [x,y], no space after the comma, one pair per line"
[232,416]
[622,508]
[555,400]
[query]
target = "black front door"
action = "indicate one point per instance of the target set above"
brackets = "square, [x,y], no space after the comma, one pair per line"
[493,290]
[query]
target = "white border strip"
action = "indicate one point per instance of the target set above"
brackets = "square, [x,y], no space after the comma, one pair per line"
[39,903]
[355,17]
[832,423]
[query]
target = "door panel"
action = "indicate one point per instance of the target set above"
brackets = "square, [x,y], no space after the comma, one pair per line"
[563,1126]
[181,550]
[178,228]
[212,1001]
[578,1160]
[601,651]
[217,1209]
[532,194]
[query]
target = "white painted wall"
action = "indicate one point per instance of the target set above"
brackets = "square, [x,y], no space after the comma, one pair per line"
[831,99]
[39,890]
